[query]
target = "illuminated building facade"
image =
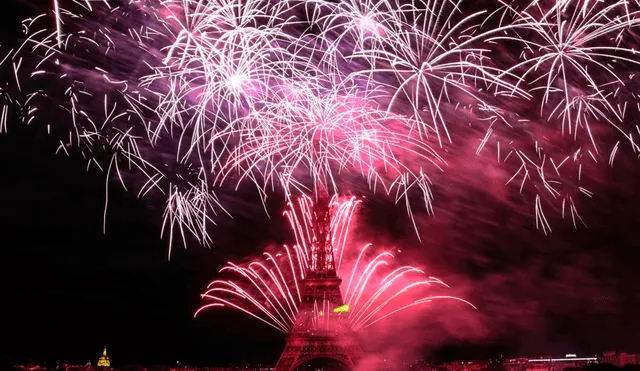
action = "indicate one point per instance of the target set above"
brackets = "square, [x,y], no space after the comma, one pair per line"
[620,359]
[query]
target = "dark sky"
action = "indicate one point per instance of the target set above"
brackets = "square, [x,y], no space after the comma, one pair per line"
[68,289]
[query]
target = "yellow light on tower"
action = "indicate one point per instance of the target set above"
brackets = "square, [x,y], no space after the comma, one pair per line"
[342,309]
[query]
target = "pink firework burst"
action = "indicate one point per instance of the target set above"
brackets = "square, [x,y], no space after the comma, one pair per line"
[322,134]
[574,53]
[187,99]
[270,289]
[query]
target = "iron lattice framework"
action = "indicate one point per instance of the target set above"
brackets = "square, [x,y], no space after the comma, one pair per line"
[319,331]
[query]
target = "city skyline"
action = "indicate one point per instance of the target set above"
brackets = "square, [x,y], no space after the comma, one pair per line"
[520,363]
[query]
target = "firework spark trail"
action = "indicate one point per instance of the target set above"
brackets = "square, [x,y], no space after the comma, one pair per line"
[349,26]
[58,20]
[580,44]
[222,61]
[428,61]
[183,98]
[574,60]
[325,136]
[549,169]
[300,217]
[266,289]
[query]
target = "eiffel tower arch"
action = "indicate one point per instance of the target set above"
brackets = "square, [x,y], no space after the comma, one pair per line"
[323,363]
[320,333]
[302,349]
[321,330]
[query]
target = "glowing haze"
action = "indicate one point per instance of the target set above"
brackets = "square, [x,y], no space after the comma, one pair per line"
[189,100]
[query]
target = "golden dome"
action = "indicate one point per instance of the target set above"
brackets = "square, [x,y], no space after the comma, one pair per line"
[103,361]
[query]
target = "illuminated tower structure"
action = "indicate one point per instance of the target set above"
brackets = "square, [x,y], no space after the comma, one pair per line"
[103,361]
[322,330]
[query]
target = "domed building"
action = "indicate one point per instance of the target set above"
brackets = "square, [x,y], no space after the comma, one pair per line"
[103,361]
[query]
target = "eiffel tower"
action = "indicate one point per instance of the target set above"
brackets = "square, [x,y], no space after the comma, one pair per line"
[322,330]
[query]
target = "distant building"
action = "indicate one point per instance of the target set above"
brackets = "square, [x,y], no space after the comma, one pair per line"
[609,358]
[103,361]
[620,359]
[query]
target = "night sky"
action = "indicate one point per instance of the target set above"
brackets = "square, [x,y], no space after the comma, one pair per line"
[68,289]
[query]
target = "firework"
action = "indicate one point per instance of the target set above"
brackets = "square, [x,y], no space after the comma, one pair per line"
[184,99]
[571,51]
[269,289]
[430,56]
[327,134]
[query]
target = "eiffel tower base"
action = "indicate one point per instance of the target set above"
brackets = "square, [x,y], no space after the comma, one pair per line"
[304,347]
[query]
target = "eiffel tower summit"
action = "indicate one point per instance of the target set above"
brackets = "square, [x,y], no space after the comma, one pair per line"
[322,337]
